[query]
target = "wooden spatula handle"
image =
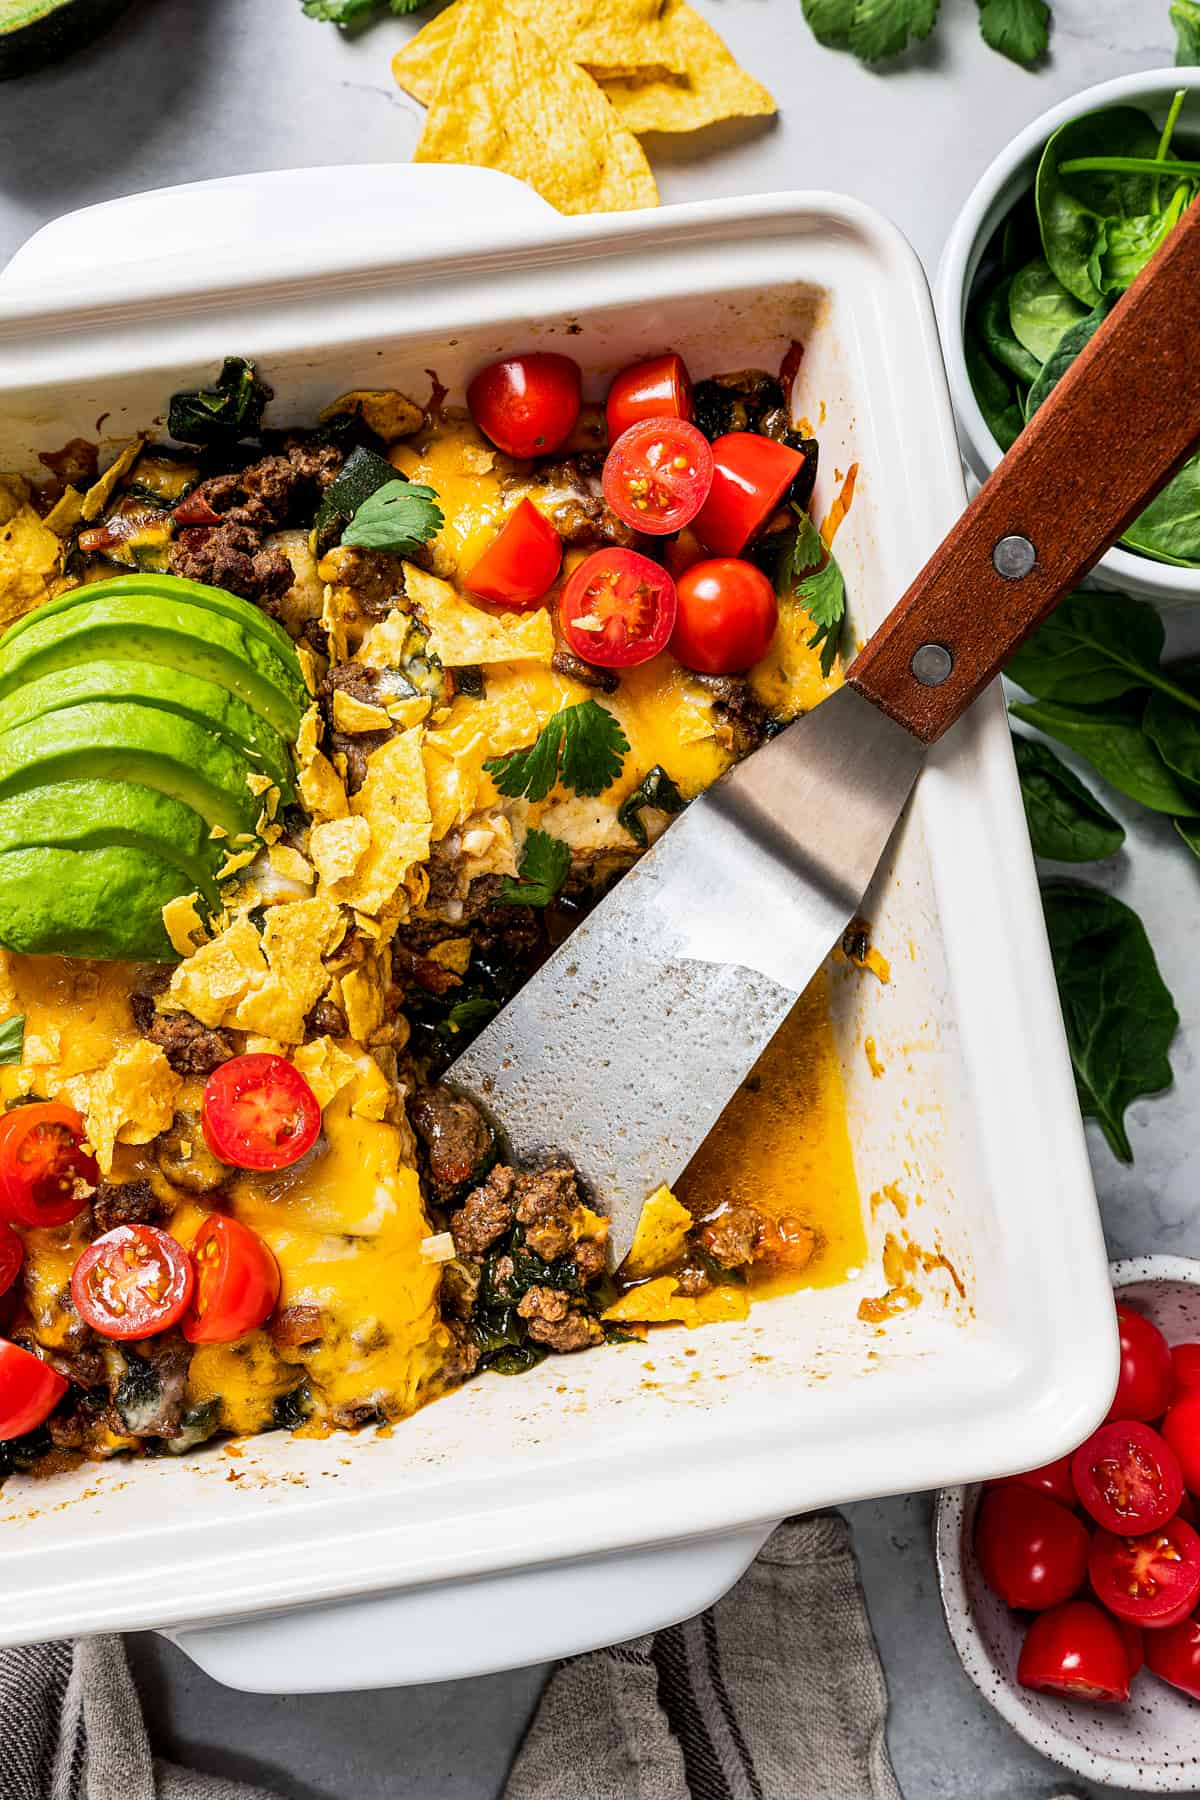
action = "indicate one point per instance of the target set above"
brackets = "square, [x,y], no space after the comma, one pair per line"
[1120,421]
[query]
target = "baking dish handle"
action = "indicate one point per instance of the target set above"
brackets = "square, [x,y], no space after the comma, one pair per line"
[456,1629]
[392,211]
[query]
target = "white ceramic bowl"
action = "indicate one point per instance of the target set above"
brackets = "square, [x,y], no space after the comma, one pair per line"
[1151,1745]
[1001,184]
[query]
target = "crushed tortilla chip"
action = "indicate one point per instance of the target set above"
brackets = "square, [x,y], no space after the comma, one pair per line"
[129,1101]
[338,846]
[101,492]
[455,753]
[657,1303]
[183,924]
[30,553]
[710,84]
[464,636]
[605,37]
[410,709]
[390,415]
[290,865]
[326,1068]
[362,1003]
[65,514]
[394,803]
[354,715]
[452,953]
[662,1228]
[266,985]
[257,782]
[506,100]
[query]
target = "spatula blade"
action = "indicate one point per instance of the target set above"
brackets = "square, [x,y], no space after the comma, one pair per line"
[625,1047]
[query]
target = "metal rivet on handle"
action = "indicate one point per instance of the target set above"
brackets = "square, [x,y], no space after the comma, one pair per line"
[931,664]
[1014,557]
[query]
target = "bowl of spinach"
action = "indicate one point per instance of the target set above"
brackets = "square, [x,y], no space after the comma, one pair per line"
[1052,235]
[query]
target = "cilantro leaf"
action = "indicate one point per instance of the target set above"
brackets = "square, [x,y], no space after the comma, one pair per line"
[807,572]
[12,1039]
[222,415]
[885,27]
[656,789]
[545,862]
[1019,29]
[356,12]
[582,746]
[399,516]
[1185,17]
[830,20]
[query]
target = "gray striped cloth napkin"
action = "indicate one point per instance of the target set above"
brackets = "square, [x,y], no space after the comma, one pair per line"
[775,1693]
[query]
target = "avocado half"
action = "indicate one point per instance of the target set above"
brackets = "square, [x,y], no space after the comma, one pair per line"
[36,32]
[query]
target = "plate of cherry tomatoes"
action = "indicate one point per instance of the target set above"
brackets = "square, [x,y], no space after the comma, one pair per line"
[1072,1592]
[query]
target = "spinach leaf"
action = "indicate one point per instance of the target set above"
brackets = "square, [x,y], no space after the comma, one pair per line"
[1175,731]
[997,392]
[220,416]
[1119,1016]
[469,1015]
[1185,17]
[1066,821]
[1169,528]
[1072,341]
[1040,311]
[1074,209]
[1189,831]
[1019,29]
[1094,647]
[12,1039]
[1114,743]
[997,333]
[656,790]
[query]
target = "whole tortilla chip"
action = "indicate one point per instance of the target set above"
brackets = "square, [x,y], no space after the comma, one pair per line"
[608,38]
[713,87]
[506,101]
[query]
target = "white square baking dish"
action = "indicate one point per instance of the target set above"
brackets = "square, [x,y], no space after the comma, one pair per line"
[696,1441]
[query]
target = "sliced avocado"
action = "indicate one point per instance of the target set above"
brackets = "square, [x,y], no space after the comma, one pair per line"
[147,628]
[101,903]
[35,32]
[100,815]
[172,587]
[153,684]
[118,741]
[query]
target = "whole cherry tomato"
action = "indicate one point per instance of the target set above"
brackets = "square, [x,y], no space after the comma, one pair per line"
[258,1112]
[1185,1369]
[133,1282]
[1127,1477]
[617,609]
[1152,1580]
[237,1282]
[1174,1655]
[47,1174]
[1053,1479]
[521,563]
[1144,1387]
[1032,1551]
[29,1391]
[657,389]
[1077,1651]
[727,616]
[527,405]
[657,475]
[1181,1428]
[1135,1645]
[751,474]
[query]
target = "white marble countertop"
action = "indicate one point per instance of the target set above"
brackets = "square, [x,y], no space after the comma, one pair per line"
[184,89]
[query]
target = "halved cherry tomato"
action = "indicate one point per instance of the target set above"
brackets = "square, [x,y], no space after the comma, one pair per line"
[1181,1428]
[1174,1655]
[29,1391]
[751,474]
[657,475]
[1144,1387]
[1135,1645]
[12,1255]
[1053,1479]
[521,563]
[259,1112]
[660,388]
[1151,1580]
[237,1282]
[1127,1477]
[46,1174]
[133,1282]
[1077,1651]
[617,609]
[527,405]
[1032,1551]
[727,616]
[1185,1368]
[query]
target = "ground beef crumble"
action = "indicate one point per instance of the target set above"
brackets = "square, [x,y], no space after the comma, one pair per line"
[456,1138]
[486,1214]
[558,1321]
[190,1047]
[125,1203]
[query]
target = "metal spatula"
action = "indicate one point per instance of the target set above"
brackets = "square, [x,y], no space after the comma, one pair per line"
[625,1047]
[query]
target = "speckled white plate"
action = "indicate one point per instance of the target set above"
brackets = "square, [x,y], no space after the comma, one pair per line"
[1151,1745]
